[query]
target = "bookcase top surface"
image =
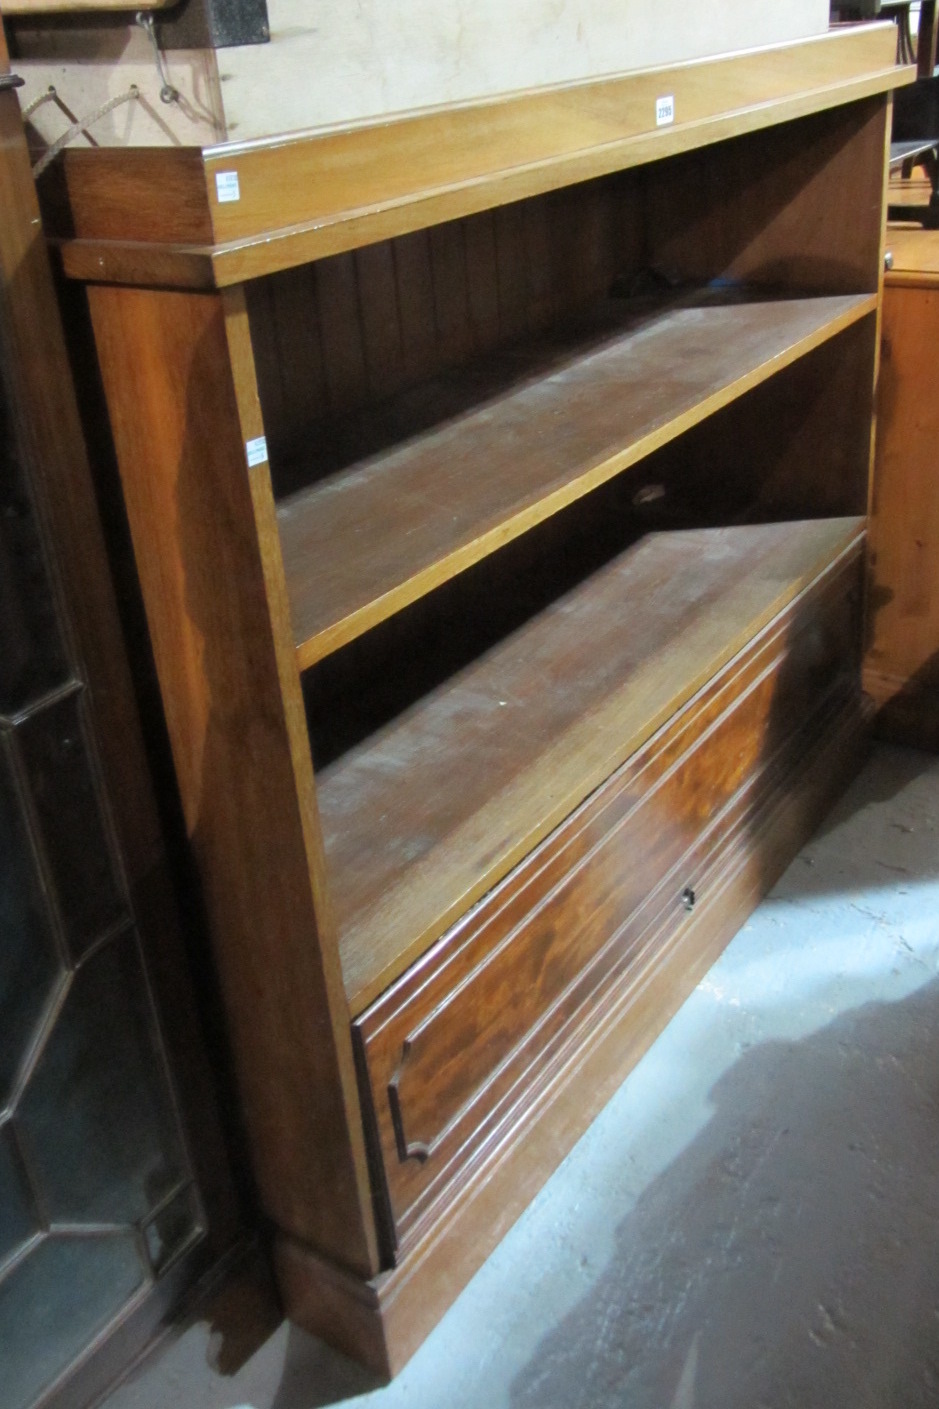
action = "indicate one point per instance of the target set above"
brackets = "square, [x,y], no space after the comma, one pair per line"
[915,254]
[216,216]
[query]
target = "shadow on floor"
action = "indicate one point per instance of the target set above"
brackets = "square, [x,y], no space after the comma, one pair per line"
[315,1376]
[790,1256]
[882,834]
[888,772]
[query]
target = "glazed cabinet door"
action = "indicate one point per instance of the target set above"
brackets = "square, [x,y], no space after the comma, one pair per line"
[103,1221]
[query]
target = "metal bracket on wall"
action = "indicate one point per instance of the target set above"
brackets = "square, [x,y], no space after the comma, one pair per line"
[168,94]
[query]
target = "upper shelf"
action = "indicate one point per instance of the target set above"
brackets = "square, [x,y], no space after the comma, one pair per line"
[483,454]
[191,217]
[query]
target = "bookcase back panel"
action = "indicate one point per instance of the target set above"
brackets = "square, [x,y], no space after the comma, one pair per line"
[779,209]
[358,689]
[798,206]
[798,446]
[795,447]
[332,337]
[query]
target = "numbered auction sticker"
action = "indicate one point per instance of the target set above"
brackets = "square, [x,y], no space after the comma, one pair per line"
[226,184]
[665,110]
[256,451]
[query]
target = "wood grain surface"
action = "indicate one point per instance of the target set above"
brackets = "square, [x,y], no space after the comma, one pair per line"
[177,394]
[902,666]
[915,254]
[452,1047]
[384,1321]
[153,195]
[338,336]
[421,818]
[359,328]
[801,205]
[517,440]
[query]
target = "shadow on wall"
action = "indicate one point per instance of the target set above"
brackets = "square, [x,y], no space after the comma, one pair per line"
[911,715]
[888,774]
[790,1256]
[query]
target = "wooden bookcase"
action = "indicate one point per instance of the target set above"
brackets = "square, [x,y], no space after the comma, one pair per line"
[497,479]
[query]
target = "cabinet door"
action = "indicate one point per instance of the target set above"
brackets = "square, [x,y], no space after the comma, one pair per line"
[102,1216]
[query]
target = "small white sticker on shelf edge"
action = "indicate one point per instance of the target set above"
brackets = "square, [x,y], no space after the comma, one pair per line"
[665,110]
[256,451]
[226,186]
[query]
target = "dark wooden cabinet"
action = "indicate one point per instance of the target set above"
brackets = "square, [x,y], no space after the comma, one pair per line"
[114,1187]
[498,480]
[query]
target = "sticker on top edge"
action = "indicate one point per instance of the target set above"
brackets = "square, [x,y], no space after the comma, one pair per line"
[226,186]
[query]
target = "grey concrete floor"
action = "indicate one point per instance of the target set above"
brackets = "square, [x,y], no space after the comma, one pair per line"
[753,1220]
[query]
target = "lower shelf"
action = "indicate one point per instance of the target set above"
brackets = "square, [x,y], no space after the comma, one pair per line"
[381,1323]
[429,812]
[456,1048]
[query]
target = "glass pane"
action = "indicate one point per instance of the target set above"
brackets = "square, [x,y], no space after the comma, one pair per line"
[96,1115]
[32,659]
[29,965]
[173,1229]
[55,1301]
[54,751]
[17,1222]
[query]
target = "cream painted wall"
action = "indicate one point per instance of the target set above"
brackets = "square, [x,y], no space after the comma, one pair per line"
[336,60]
[72,71]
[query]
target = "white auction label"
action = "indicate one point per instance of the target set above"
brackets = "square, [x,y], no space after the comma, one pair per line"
[665,110]
[256,451]
[226,185]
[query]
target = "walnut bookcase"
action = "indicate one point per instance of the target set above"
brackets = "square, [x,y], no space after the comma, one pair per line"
[497,477]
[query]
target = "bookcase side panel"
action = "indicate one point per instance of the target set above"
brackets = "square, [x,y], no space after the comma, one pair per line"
[253,436]
[192,498]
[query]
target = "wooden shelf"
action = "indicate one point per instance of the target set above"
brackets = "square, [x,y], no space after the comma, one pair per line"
[544,426]
[428,813]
